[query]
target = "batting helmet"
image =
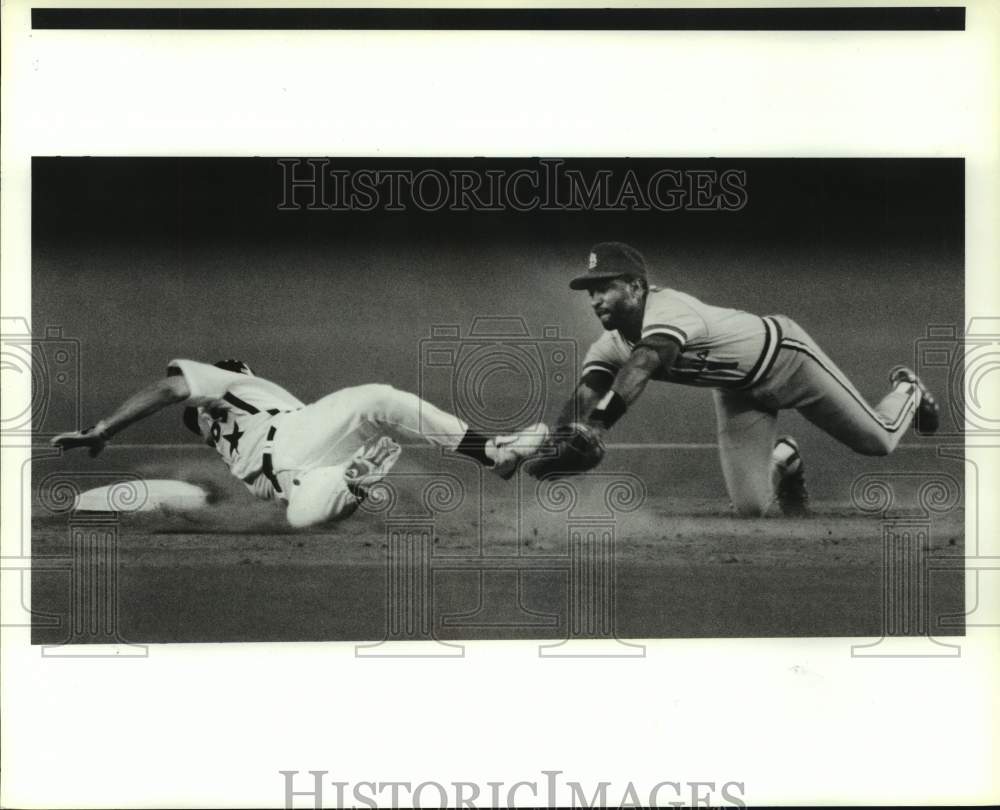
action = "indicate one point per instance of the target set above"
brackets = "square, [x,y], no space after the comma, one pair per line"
[239,366]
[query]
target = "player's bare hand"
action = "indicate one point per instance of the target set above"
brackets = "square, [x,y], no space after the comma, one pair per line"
[90,438]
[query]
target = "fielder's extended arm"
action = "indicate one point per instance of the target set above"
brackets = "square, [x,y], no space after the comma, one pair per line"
[597,391]
[655,352]
[141,404]
[577,445]
[593,385]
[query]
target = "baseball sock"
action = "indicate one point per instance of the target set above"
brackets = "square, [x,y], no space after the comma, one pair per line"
[783,453]
[473,445]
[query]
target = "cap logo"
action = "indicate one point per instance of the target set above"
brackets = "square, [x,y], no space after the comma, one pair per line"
[592,262]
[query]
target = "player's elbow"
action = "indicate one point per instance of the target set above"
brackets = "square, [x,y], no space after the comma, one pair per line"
[649,358]
[657,351]
[173,389]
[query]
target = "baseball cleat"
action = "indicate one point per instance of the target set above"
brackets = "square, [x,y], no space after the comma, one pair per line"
[508,452]
[793,498]
[928,416]
[370,465]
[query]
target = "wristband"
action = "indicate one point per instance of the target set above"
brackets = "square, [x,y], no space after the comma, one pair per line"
[609,410]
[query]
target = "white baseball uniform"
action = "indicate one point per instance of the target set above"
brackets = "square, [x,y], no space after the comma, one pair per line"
[284,450]
[758,366]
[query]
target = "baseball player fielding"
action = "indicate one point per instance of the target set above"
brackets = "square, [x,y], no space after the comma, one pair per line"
[318,460]
[756,367]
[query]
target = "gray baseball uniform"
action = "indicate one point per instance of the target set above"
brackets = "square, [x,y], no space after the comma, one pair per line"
[758,366]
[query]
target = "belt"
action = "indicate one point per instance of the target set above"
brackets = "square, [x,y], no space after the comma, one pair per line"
[266,462]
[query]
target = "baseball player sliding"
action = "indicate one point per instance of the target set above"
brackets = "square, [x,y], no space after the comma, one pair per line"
[756,366]
[319,460]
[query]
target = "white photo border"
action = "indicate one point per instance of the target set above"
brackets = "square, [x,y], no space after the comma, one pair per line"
[796,720]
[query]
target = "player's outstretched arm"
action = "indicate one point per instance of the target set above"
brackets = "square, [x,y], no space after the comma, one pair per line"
[592,387]
[143,403]
[653,353]
[577,444]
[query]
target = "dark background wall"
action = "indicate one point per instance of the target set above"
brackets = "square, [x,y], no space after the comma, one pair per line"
[143,260]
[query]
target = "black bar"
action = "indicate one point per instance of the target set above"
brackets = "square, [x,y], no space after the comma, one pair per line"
[898,18]
[236,402]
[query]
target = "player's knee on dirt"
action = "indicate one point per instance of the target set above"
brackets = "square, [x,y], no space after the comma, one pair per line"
[752,507]
[751,510]
[320,497]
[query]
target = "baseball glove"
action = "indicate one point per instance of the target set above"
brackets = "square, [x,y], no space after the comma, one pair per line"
[570,450]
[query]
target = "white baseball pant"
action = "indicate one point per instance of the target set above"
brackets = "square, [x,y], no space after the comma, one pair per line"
[313,445]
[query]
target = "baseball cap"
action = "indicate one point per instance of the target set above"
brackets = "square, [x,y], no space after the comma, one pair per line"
[610,260]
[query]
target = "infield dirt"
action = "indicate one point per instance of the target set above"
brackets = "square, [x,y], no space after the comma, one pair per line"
[498,563]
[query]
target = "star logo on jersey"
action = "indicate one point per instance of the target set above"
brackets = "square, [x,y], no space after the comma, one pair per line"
[234,438]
